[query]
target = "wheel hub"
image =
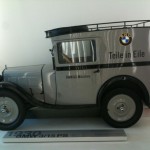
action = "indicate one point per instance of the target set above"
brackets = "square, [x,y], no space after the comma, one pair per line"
[4,109]
[8,110]
[121,107]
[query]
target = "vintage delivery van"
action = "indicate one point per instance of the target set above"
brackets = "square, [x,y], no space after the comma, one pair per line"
[104,65]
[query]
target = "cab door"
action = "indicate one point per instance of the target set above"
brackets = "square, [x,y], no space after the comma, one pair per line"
[77,72]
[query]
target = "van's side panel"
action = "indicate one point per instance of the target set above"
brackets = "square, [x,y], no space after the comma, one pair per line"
[114,58]
[136,55]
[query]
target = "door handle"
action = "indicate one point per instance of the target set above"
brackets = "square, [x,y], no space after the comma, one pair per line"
[97,71]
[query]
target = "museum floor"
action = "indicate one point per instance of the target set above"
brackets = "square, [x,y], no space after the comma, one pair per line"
[138,136]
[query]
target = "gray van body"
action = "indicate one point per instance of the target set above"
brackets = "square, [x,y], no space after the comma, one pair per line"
[80,83]
[103,65]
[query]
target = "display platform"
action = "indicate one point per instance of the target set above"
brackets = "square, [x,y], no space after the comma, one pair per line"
[138,135]
[64,136]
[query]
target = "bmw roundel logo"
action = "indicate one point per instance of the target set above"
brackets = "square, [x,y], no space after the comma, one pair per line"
[125,39]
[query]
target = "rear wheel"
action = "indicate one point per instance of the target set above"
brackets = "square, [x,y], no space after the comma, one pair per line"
[122,108]
[12,110]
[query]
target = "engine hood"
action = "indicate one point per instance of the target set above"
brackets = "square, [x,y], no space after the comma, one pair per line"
[27,77]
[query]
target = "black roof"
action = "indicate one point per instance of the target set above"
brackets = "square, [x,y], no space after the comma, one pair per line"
[96,27]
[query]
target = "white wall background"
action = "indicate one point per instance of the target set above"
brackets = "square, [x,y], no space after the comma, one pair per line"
[23,22]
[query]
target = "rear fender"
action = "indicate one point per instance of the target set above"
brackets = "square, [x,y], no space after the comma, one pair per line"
[124,81]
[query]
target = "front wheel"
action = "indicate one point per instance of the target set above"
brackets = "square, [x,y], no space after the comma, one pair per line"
[12,110]
[122,108]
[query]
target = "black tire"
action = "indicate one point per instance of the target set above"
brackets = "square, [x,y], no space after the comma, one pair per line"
[19,114]
[122,113]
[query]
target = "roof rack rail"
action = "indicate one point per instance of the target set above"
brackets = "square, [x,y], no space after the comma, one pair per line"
[97,27]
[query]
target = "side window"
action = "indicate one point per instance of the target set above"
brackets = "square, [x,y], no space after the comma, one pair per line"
[76,51]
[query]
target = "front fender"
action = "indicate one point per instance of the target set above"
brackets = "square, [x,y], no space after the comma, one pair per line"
[18,90]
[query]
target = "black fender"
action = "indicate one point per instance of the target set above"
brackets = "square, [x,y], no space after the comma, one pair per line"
[18,90]
[124,81]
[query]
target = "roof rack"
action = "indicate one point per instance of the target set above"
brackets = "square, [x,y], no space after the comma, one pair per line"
[97,27]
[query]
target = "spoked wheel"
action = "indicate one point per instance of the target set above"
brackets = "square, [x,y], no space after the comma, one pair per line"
[122,108]
[12,111]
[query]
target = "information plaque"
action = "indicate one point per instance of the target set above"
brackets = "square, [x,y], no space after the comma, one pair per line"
[64,136]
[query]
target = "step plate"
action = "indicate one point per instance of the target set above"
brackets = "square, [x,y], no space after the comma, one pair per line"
[64,136]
